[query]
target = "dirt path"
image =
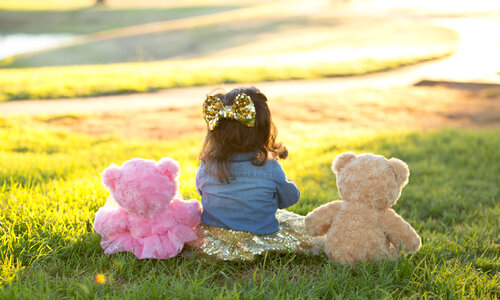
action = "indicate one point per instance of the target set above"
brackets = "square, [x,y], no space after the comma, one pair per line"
[348,111]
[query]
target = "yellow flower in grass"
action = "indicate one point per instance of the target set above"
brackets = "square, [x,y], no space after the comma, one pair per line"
[100,279]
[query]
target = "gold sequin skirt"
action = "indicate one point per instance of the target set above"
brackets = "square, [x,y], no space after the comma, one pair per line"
[225,244]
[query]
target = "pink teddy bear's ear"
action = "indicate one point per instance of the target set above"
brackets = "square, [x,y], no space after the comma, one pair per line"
[169,167]
[110,176]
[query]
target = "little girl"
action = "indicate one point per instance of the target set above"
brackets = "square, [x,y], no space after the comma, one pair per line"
[240,180]
[241,183]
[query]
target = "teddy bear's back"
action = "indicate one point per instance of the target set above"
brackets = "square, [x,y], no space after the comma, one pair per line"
[364,223]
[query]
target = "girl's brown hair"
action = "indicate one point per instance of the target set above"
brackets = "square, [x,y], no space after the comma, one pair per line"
[231,137]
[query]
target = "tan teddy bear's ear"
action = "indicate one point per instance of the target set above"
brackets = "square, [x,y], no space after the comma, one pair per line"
[341,160]
[401,171]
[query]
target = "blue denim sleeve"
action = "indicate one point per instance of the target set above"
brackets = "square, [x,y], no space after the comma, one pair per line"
[199,176]
[287,191]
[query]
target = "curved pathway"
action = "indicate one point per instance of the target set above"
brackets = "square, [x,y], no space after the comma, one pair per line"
[477,59]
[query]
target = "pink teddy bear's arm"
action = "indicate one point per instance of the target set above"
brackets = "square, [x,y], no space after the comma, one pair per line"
[318,221]
[400,232]
[110,220]
[187,212]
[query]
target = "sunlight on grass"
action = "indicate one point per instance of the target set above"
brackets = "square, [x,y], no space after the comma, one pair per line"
[87,81]
[222,31]
[50,189]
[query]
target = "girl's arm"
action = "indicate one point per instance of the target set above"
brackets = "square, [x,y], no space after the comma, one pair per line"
[187,212]
[199,178]
[287,192]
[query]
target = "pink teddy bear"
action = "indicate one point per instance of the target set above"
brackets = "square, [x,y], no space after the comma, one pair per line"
[145,213]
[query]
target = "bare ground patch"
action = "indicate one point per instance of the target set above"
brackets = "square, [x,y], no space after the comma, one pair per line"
[354,110]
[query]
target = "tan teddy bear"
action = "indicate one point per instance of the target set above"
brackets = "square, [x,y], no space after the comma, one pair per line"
[363,227]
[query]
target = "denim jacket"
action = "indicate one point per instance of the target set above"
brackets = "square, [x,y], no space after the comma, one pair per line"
[250,200]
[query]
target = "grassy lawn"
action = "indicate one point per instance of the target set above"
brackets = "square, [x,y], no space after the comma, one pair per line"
[222,32]
[50,190]
[129,45]
[86,81]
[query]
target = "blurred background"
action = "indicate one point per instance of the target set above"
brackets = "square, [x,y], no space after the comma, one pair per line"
[114,56]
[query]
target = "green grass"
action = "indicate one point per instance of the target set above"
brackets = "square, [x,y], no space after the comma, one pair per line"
[50,190]
[164,41]
[87,81]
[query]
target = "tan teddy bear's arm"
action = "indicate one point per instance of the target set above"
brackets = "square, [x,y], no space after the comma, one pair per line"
[400,232]
[319,220]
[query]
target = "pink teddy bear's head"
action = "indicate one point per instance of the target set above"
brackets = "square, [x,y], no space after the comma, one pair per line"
[142,186]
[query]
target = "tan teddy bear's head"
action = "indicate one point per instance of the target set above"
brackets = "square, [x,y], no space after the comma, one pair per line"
[370,179]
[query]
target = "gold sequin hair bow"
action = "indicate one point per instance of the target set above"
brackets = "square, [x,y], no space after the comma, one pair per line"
[242,110]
